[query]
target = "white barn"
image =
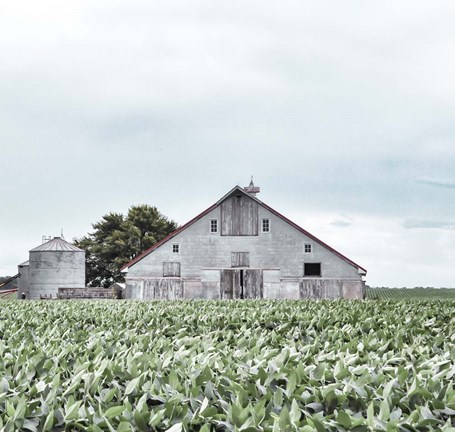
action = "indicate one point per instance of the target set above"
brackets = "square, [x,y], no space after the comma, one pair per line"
[241,248]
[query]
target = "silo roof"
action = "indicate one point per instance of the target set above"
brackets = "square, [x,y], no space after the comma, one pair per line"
[24,264]
[57,244]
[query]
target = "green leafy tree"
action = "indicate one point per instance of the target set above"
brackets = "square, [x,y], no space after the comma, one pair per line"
[117,239]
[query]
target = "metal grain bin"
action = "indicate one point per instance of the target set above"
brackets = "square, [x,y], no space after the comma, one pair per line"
[55,264]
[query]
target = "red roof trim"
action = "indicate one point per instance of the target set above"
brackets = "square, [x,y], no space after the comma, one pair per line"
[294,225]
[167,238]
[199,216]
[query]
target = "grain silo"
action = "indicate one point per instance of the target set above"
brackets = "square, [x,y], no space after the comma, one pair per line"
[24,282]
[53,265]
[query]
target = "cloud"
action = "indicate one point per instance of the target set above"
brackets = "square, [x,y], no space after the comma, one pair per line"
[447,184]
[341,223]
[335,108]
[428,224]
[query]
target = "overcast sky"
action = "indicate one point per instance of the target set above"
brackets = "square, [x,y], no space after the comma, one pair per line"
[343,112]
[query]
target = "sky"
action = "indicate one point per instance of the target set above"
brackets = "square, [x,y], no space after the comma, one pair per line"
[342,111]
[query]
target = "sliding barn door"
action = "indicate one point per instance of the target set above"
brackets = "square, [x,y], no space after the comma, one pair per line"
[253,286]
[241,284]
[230,284]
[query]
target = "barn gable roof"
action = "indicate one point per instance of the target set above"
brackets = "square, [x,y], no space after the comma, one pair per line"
[235,191]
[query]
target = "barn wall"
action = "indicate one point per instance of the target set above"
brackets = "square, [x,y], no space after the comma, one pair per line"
[272,284]
[282,248]
[321,289]
[279,253]
[216,287]
[134,289]
[354,290]
[289,289]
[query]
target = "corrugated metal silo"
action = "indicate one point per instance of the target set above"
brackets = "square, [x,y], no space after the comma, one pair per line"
[53,265]
[24,282]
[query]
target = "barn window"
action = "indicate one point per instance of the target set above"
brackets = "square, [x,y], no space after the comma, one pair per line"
[171,269]
[213,225]
[265,225]
[240,259]
[308,248]
[176,248]
[312,269]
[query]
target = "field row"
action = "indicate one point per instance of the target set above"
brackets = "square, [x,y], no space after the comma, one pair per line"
[410,294]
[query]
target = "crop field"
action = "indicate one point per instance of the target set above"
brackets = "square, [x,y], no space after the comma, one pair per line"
[8,295]
[410,294]
[227,366]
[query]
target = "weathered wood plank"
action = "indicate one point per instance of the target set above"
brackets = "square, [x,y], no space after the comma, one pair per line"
[227,218]
[320,289]
[171,269]
[253,286]
[230,284]
[239,216]
[164,289]
[248,217]
[240,259]
[227,284]
[84,293]
[237,286]
[149,290]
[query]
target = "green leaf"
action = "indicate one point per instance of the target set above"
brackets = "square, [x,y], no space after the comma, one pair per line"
[387,389]
[384,411]
[4,385]
[10,409]
[295,412]
[285,419]
[94,428]
[140,420]
[370,415]
[20,408]
[307,428]
[124,427]
[72,411]
[276,425]
[344,420]
[114,411]
[291,385]
[40,386]
[132,386]
[157,417]
[49,423]
[28,424]
[204,405]
[175,428]
[317,425]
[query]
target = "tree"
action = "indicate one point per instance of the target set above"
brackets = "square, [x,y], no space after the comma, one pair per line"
[117,239]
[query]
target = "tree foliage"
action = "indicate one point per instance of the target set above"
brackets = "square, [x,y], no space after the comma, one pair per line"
[117,239]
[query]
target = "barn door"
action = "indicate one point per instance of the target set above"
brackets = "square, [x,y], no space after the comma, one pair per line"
[241,284]
[230,281]
[253,286]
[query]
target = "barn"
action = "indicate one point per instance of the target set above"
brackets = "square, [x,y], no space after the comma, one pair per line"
[240,248]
